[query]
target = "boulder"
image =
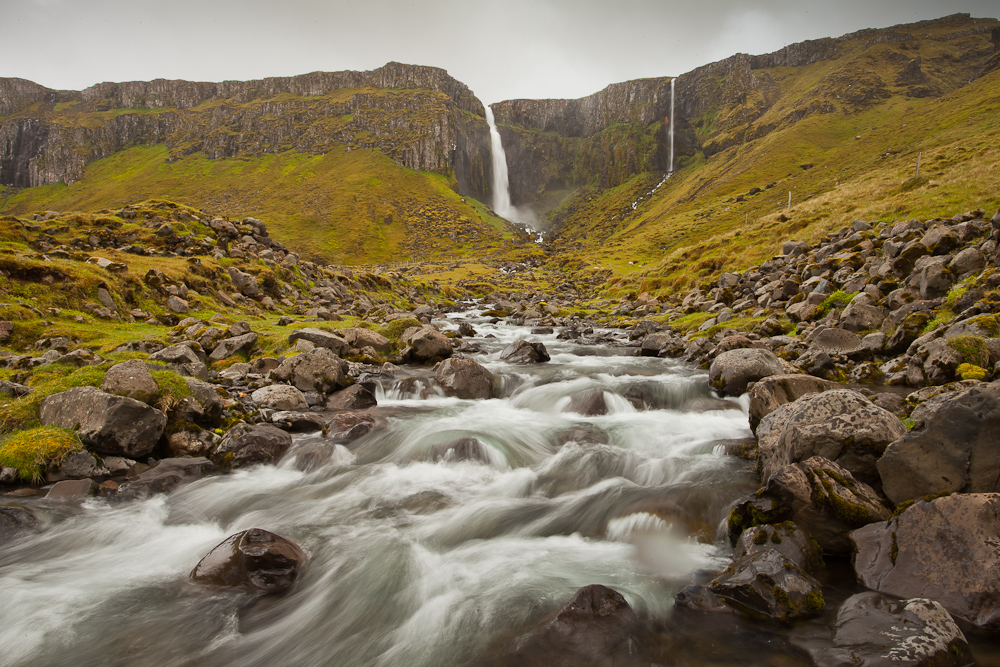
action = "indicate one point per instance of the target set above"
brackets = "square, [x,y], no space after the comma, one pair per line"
[298,422]
[954,449]
[319,370]
[360,338]
[935,280]
[425,345]
[105,423]
[77,464]
[595,626]
[280,397]
[766,583]
[244,282]
[165,476]
[227,347]
[348,426]
[840,425]
[207,397]
[320,338]
[785,538]
[252,560]
[183,358]
[465,378]
[821,497]
[967,261]
[732,371]
[191,443]
[524,352]
[245,444]
[771,392]
[832,340]
[356,397]
[71,490]
[876,631]
[132,379]
[859,316]
[943,549]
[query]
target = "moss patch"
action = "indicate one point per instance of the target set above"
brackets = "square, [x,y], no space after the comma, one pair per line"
[32,451]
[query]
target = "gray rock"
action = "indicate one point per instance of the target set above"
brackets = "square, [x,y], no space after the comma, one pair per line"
[821,497]
[207,397]
[426,345]
[71,490]
[840,425]
[280,397]
[872,630]
[244,282]
[183,358]
[935,280]
[175,304]
[348,426]
[356,397]
[132,379]
[360,338]
[13,389]
[861,317]
[732,371]
[832,340]
[16,521]
[230,346]
[320,338]
[319,370]
[165,476]
[78,464]
[106,423]
[244,444]
[967,261]
[944,549]
[954,449]
[465,378]
[785,538]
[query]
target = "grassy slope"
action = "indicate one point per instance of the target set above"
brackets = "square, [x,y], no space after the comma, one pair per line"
[691,228]
[347,207]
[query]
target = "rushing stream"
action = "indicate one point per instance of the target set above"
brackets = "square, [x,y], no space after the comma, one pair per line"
[416,556]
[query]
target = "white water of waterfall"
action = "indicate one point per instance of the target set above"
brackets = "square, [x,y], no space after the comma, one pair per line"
[670,168]
[501,183]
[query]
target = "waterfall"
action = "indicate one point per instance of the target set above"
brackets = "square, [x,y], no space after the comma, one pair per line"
[670,167]
[501,183]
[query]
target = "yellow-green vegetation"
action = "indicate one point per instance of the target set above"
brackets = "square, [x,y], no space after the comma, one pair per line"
[838,299]
[842,135]
[343,207]
[971,372]
[393,330]
[973,350]
[172,388]
[32,451]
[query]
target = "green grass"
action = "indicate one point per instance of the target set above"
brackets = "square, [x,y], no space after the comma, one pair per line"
[34,450]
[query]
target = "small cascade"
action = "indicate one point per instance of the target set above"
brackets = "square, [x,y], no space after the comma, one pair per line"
[670,166]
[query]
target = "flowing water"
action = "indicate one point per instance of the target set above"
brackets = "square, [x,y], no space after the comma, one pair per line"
[416,556]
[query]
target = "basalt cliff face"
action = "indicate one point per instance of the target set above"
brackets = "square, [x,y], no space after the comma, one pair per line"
[419,116]
[609,137]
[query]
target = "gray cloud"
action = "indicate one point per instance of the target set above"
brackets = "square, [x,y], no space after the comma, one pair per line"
[503,50]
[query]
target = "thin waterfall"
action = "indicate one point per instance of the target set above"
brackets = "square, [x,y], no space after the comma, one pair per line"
[501,182]
[670,168]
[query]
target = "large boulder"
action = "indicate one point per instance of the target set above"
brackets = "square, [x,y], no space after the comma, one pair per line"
[771,392]
[359,338]
[132,379]
[861,316]
[106,423]
[876,631]
[320,338]
[185,358]
[732,371]
[246,444]
[358,396]
[319,369]
[464,378]
[425,345]
[952,449]
[253,560]
[280,397]
[821,497]
[944,549]
[230,346]
[840,425]
[524,352]
[592,628]
[244,282]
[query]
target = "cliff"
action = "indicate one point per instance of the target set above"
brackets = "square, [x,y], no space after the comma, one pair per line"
[419,116]
[607,138]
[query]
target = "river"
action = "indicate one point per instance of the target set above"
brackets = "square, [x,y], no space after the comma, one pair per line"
[416,556]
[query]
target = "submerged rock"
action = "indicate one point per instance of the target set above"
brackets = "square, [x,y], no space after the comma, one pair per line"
[525,352]
[253,560]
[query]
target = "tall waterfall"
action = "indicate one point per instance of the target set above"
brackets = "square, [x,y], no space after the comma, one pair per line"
[501,183]
[670,168]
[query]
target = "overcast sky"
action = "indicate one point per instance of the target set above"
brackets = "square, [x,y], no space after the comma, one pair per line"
[502,50]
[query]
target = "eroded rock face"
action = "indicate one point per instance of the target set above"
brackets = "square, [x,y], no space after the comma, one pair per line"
[877,631]
[840,425]
[105,423]
[464,378]
[954,449]
[732,371]
[769,393]
[245,444]
[821,497]
[524,352]
[944,549]
[253,560]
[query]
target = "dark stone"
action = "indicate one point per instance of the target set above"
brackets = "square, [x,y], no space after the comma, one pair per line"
[16,521]
[732,371]
[465,378]
[106,423]
[347,426]
[165,476]
[253,560]
[358,396]
[246,444]
[524,352]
